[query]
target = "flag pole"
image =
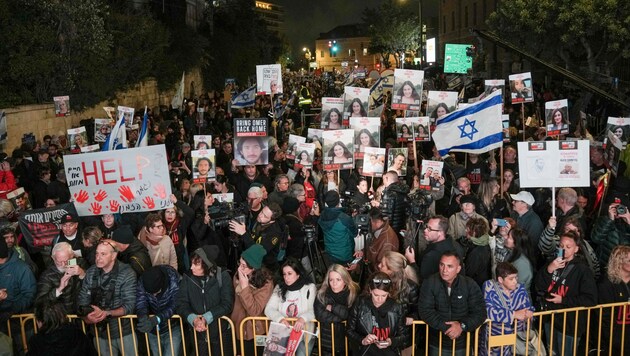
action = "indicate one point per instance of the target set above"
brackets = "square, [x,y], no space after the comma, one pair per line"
[523,118]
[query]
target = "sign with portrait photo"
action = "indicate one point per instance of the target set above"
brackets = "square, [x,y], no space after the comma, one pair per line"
[269,79]
[422,129]
[521,88]
[304,154]
[366,133]
[620,127]
[127,113]
[338,149]
[204,165]
[404,128]
[613,152]
[407,89]
[293,141]
[374,161]
[545,164]
[440,103]
[355,103]
[397,161]
[332,114]
[202,142]
[102,129]
[251,150]
[62,105]
[109,182]
[19,200]
[77,138]
[250,127]
[492,85]
[557,117]
[315,136]
[90,148]
[431,175]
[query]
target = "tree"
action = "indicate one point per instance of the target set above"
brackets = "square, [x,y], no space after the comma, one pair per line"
[576,33]
[394,30]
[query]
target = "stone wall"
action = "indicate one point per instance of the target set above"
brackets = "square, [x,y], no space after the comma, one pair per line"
[40,119]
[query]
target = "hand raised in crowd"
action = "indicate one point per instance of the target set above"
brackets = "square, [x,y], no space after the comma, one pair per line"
[243,279]
[556,264]
[613,214]
[410,254]
[5,166]
[315,209]
[552,222]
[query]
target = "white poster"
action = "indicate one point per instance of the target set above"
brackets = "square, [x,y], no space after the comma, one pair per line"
[338,149]
[269,79]
[102,129]
[554,164]
[355,102]
[397,161]
[440,103]
[127,112]
[305,152]
[77,138]
[620,127]
[113,182]
[431,175]
[293,141]
[521,88]
[332,113]
[366,133]
[374,162]
[557,117]
[62,105]
[407,93]
[202,142]
[204,167]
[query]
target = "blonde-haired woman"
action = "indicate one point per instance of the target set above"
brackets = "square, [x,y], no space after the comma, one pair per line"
[405,288]
[615,288]
[332,307]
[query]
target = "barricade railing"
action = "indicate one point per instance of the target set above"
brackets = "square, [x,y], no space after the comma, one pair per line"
[602,328]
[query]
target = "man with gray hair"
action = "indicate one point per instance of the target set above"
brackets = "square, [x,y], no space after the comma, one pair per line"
[62,281]
[255,204]
[281,189]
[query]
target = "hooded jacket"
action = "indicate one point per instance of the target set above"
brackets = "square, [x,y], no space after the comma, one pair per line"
[339,231]
[394,205]
[18,279]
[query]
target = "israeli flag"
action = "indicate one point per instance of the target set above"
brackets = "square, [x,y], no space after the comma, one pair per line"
[143,138]
[245,99]
[474,129]
[117,139]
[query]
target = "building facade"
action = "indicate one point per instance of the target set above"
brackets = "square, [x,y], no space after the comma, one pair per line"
[345,46]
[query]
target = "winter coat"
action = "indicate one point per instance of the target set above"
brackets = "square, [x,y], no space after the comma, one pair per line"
[161,250]
[18,279]
[47,289]
[301,300]
[336,316]
[577,288]
[607,234]
[386,321]
[394,205]
[203,296]
[249,302]
[464,304]
[67,340]
[136,256]
[162,305]
[339,231]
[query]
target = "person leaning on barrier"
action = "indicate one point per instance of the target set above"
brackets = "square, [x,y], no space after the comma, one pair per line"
[56,336]
[62,281]
[451,304]
[376,323]
[205,295]
[157,289]
[109,292]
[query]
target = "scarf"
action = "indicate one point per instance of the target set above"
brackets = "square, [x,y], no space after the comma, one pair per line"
[481,240]
[297,285]
[173,232]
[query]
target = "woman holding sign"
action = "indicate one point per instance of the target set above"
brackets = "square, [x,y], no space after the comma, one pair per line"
[340,153]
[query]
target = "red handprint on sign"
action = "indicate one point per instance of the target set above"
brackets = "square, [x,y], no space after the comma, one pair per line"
[81,197]
[126,194]
[150,204]
[160,191]
[100,195]
[95,208]
[113,206]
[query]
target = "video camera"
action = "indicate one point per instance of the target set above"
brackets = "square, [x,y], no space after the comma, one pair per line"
[419,203]
[222,213]
[360,211]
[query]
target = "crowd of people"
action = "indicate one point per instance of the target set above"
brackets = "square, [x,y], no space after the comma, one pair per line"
[480,247]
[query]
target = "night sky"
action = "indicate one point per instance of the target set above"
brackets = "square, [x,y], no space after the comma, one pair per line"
[306,19]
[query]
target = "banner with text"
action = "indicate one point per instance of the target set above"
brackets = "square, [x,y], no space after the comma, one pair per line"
[119,182]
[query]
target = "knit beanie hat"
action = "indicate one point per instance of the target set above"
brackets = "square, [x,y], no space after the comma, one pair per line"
[154,280]
[254,255]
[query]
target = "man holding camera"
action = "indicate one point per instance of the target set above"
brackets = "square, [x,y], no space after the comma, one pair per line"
[384,240]
[267,231]
[109,292]
[611,230]
[394,202]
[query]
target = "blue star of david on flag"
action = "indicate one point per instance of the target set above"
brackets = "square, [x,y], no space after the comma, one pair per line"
[245,99]
[462,129]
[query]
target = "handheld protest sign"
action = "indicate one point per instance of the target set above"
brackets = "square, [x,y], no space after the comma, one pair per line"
[62,105]
[407,89]
[107,182]
[554,164]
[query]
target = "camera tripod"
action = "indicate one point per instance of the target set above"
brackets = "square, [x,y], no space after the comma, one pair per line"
[316,259]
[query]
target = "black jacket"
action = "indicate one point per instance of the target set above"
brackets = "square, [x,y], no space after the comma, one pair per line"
[394,205]
[67,340]
[270,237]
[362,322]
[577,287]
[464,304]
[337,315]
[47,286]
[136,256]
[430,258]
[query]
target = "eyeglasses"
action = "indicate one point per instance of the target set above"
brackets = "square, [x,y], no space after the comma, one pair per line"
[431,229]
[378,281]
